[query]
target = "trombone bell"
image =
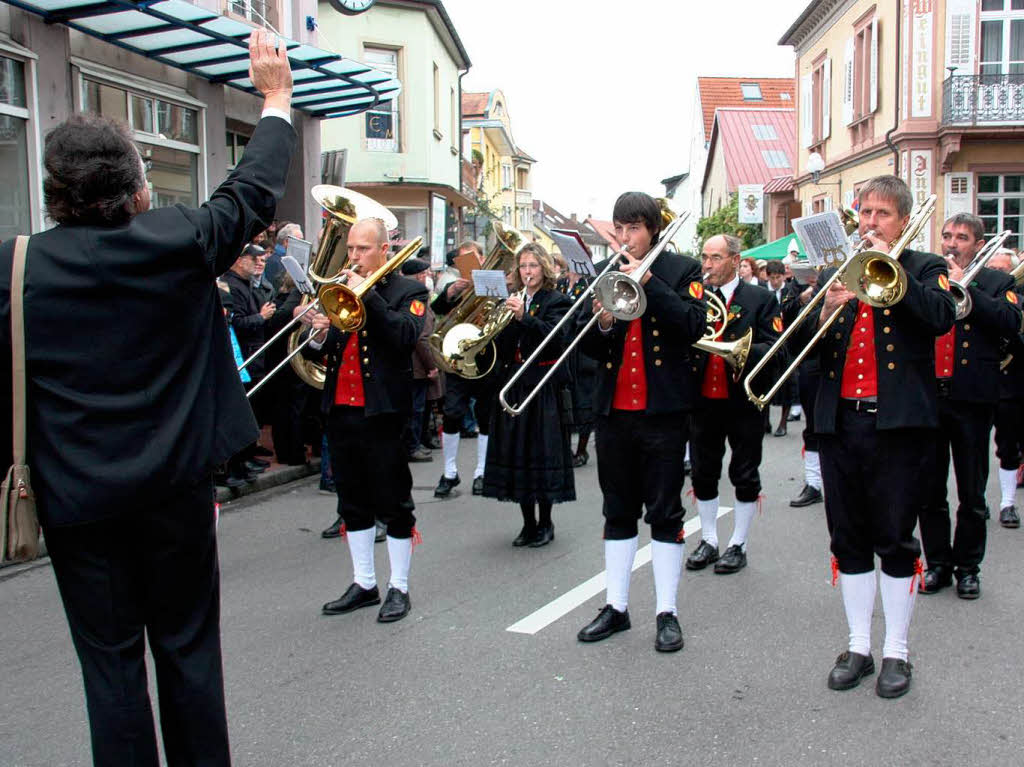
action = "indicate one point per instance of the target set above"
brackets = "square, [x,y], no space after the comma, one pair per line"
[876,278]
[621,296]
[734,353]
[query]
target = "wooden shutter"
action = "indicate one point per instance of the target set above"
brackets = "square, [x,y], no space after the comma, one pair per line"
[806,112]
[848,82]
[826,99]
[873,82]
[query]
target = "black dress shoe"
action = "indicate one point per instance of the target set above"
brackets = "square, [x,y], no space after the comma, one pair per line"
[478,485]
[580,459]
[526,537]
[543,537]
[334,531]
[850,668]
[705,554]
[894,678]
[420,455]
[445,486]
[1009,517]
[808,496]
[669,637]
[968,585]
[235,482]
[607,622]
[396,606]
[254,468]
[259,462]
[353,599]
[781,431]
[732,561]
[935,579]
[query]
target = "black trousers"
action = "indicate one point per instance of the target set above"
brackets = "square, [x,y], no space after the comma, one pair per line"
[371,473]
[873,491]
[1009,433]
[964,430]
[289,401]
[808,382]
[640,463]
[714,423]
[457,394]
[149,572]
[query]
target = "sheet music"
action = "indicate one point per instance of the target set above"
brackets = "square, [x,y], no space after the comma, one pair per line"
[574,251]
[490,282]
[823,237]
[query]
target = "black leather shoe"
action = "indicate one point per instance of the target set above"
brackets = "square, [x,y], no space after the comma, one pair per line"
[607,622]
[850,668]
[705,554]
[396,606]
[526,536]
[420,455]
[935,579]
[478,485]
[580,459]
[732,561]
[670,636]
[968,585]
[1009,517]
[894,678]
[543,537]
[235,482]
[254,468]
[334,531]
[781,431]
[259,462]
[808,496]
[353,599]
[445,486]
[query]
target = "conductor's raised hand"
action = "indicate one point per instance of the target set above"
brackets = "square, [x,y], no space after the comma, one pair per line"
[269,69]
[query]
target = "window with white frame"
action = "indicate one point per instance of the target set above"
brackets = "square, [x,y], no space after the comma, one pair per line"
[235,143]
[1001,205]
[15,194]
[382,122]
[167,135]
[1002,37]
[263,13]
[525,219]
[506,215]
[506,176]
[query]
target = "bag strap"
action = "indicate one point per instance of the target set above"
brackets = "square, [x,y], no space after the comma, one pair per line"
[18,346]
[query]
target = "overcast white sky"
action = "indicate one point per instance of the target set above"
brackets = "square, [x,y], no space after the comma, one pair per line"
[601,92]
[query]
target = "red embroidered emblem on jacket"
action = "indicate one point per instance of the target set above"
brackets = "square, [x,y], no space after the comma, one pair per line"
[417,307]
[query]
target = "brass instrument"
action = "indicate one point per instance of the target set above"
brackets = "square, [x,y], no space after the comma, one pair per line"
[1018,278]
[962,296]
[463,341]
[875,277]
[734,353]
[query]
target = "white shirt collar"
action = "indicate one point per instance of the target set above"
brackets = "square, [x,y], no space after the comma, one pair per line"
[729,288]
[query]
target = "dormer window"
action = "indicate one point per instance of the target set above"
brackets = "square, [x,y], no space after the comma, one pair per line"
[751,91]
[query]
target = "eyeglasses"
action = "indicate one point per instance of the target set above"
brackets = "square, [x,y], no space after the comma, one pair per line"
[716,259]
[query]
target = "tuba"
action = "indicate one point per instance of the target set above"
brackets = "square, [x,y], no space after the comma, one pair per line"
[463,341]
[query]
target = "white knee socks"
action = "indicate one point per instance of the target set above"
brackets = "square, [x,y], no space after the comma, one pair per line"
[450,448]
[812,469]
[360,546]
[1007,487]
[400,555]
[898,604]
[618,565]
[667,561]
[859,601]
[481,455]
[708,511]
[743,515]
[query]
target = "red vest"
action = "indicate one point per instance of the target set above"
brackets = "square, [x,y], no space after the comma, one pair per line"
[631,382]
[716,383]
[349,390]
[945,353]
[860,373]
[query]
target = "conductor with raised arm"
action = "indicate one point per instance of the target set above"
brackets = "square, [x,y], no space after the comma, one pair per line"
[130,409]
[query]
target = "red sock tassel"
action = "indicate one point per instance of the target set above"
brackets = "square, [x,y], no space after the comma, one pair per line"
[682,534]
[835,571]
[918,574]
[760,504]
[417,539]
[342,532]
[693,498]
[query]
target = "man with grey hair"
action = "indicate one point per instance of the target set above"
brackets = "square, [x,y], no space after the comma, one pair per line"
[274,273]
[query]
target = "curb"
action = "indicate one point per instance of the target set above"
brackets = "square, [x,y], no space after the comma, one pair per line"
[268,480]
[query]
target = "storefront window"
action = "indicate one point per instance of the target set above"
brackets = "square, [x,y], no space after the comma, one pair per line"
[412,222]
[15,200]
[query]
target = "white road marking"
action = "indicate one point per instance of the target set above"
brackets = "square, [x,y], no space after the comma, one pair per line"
[573,598]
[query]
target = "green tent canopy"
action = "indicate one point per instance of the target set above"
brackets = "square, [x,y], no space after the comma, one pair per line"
[774,251]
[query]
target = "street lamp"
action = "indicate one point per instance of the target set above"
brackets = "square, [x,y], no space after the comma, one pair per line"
[815,165]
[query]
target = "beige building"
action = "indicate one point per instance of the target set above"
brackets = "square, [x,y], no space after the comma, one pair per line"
[931,90]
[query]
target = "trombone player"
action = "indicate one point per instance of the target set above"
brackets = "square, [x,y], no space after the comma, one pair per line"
[875,411]
[645,390]
[967,369]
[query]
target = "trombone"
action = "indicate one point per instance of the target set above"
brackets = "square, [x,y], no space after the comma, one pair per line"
[877,278]
[621,295]
[962,296]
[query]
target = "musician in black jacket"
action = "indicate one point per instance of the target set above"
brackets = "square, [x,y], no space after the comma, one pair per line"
[366,402]
[646,388]
[725,413]
[130,408]
[1009,421]
[787,293]
[528,456]
[967,369]
[876,414]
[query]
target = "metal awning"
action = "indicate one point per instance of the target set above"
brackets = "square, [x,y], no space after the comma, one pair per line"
[215,47]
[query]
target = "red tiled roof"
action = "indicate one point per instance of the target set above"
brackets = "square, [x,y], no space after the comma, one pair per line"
[474,104]
[606,229]
[750,139]
[717,92]
[779,184]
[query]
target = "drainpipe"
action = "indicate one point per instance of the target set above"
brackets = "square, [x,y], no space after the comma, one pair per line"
[899,93]
[462,73]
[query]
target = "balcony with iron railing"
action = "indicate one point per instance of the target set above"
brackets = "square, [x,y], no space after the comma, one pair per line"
[983,100]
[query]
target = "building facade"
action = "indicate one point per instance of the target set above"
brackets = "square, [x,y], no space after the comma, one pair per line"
[931,90]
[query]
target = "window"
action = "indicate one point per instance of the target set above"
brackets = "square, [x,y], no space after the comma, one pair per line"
[437,101]
[263,13]
[1002,37]
[506,176]
[412,222]
[764,132]
[455,120]
[784,97]
[236,143]
[751,91]
[775,158]
[525,219]
[15,195]
[167,135]
[521,175]
[865,54]
[506,215]
[1001,205]
[382,122]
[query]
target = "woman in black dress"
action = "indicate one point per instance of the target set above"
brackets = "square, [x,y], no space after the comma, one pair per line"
[528,456]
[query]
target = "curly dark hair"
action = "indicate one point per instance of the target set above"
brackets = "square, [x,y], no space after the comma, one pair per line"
[92,171]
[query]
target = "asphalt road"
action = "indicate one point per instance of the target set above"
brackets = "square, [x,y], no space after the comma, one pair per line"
[450,685]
